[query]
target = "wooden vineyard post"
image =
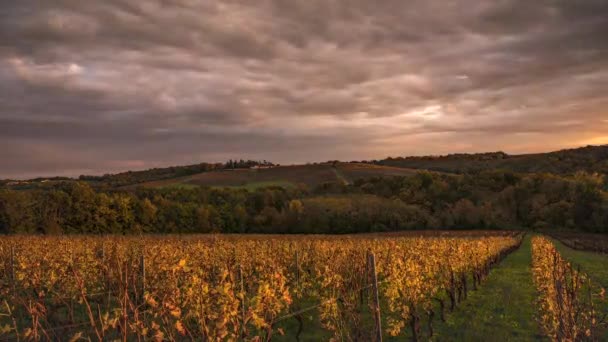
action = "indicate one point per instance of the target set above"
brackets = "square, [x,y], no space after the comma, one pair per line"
[365,290]
[297,272]
[72,254]
[102,253]
[12,270]
[105,273]
[102,257]
[72,268]
[142,274]
[241,283]
[372,263]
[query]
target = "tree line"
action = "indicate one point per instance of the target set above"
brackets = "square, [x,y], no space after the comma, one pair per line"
[493,199]
[135,177]
[589,159]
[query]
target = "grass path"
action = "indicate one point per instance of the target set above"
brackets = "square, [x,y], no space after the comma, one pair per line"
[593,264]
[502,309]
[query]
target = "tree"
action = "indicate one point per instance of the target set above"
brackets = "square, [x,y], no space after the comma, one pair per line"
[202,219]
[466,214]
[268,219]
[17,212]
[82,208]
[240,218]
[52,211]
[146,214]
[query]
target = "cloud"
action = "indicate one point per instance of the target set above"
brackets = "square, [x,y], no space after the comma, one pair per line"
[105,86]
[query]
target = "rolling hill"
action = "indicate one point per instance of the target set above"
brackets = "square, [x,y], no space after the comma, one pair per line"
[589,158]
[286,176]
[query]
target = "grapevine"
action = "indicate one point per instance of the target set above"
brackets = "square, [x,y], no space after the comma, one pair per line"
[568,299]
[230,288]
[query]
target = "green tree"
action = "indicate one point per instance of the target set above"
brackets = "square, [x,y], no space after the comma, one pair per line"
[145,213]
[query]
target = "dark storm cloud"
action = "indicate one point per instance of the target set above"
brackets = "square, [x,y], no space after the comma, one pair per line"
[90,87]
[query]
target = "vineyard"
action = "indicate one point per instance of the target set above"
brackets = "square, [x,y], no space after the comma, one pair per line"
[567,296]
[582,241]
[228,288]
[262,288]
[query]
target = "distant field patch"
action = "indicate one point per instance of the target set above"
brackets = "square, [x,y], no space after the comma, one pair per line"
[286,176]
[179,186]
[353,171]
[258,185]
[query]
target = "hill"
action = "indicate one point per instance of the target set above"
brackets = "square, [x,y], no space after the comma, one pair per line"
[255,174]
[286,176]
[589,158]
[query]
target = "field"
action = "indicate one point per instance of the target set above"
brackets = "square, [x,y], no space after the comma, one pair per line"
[582,241]
[285,176]
[427,285]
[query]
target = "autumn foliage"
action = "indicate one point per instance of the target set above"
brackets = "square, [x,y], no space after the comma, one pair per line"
[568,299]
[232,287]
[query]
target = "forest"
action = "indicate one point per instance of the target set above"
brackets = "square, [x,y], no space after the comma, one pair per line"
[490,199]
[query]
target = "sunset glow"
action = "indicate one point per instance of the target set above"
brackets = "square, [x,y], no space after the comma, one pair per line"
[104,86]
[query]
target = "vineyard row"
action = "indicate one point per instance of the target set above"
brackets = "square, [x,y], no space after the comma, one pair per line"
[231,289]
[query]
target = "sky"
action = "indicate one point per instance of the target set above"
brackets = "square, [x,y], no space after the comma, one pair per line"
[91,87]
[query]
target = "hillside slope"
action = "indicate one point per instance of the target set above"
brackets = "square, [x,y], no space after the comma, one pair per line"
[590,159]
[310,175]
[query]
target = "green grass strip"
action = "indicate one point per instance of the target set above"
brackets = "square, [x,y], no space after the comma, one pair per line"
[592,263]
[502,309]
[595,265]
